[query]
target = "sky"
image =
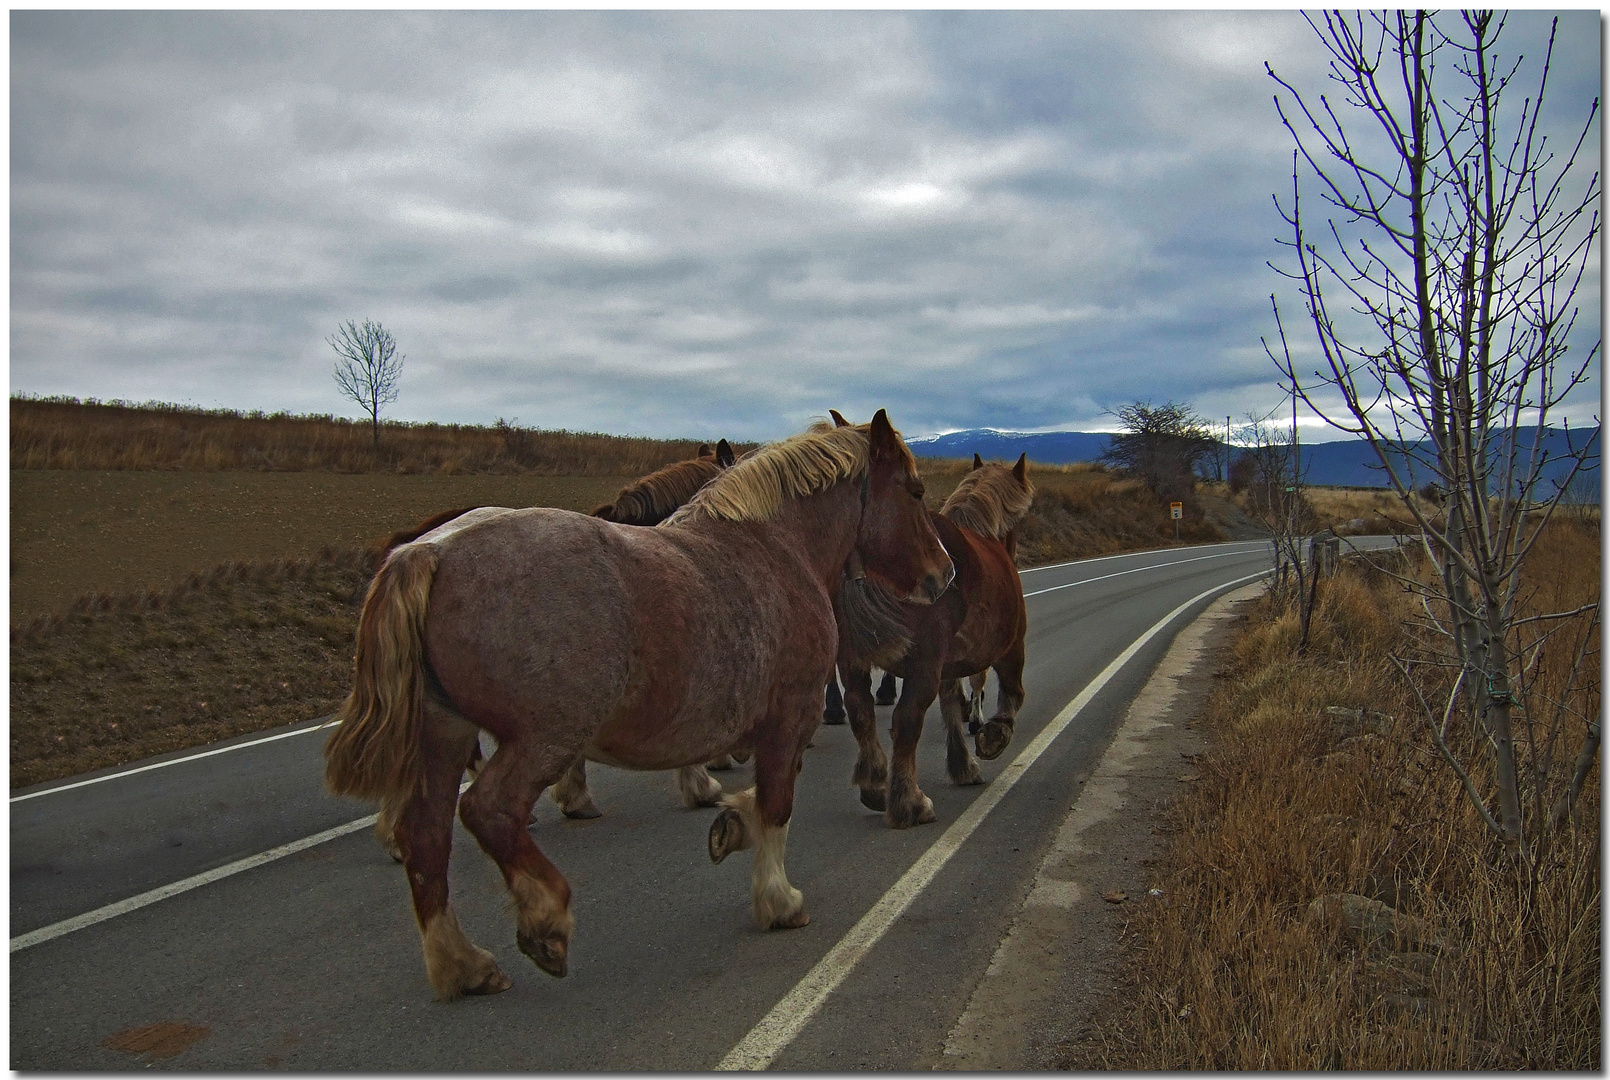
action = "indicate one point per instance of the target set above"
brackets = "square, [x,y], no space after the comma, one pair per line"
[672,223]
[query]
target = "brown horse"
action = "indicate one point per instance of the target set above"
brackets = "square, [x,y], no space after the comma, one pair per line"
[647,501]
[562,634]
[979,623]
[650,501]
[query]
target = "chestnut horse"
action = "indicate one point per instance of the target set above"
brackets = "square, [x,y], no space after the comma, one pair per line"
[562,634]
[647,501]
[979,623]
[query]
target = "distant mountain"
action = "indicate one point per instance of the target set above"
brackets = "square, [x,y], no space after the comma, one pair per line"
[1045,447]
[1351,462]
[1344,463]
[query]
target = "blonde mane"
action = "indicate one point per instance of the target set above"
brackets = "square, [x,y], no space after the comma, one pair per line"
[989,501]
[760,481]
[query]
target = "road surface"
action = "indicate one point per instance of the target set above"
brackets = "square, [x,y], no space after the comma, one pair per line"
[216,910]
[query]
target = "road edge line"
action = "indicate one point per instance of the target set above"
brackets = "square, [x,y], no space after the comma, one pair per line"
[779,1027]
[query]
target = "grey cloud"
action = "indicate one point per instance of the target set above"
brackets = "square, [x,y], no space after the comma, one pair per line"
[663,222]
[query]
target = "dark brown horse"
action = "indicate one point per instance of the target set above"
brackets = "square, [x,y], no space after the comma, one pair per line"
[979,623]
[562,634]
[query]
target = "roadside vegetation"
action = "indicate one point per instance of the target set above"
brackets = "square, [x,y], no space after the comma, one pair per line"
[1330,898]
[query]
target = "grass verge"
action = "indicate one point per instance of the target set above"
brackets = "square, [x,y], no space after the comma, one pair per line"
[1329,898]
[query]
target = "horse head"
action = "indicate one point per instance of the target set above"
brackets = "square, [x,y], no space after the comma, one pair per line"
[896,545]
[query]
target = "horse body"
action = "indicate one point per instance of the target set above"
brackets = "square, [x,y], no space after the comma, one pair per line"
[564,635]
[978,624]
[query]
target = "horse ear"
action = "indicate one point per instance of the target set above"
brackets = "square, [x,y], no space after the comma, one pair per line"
[882,440]
[1021,469]
[978,462]
[704,450]
[838,420]
[724,456]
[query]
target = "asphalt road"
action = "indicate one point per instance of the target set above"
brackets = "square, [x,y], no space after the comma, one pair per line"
[309,958]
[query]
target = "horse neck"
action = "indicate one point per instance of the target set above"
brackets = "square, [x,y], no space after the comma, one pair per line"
[822,529]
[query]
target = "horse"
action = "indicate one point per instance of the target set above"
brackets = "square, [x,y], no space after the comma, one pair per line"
[646,501]
[978,624]
[563,634]
[833,705]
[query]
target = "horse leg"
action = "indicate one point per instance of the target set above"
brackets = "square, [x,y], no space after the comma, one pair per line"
[391,810]
[887,690]
[495,809]
[996,735]
[959,761]
[975,700]
[907,805]
[833,709]
[871,766]
[698,787]
[571,793]
[424,833]
[758,818]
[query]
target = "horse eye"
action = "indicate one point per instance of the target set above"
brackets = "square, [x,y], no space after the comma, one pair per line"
[918,491]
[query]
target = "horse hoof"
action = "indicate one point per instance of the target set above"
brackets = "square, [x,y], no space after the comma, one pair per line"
[969,776]
[495,983]
[884,699]
[726,834]
[872,799]
[720,764]
[906,817]
[832,719]
[993,738]
[791,922]
[582,813]
[548,953]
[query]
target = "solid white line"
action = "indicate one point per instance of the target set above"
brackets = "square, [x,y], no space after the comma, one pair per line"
[778,1028]
[173,761]
[1136,554]
[134,903]
[1136,570]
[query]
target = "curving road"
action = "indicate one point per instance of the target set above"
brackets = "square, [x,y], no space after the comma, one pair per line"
[223,901]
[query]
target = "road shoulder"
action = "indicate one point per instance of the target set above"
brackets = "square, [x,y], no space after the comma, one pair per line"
[1053,971]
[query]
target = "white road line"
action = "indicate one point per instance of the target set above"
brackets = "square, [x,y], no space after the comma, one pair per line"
[1137,554]
[1136,570]
[173,761]
[134,903]
[778,1028]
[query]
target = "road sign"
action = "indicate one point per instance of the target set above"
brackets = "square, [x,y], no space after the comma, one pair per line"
[1176,510]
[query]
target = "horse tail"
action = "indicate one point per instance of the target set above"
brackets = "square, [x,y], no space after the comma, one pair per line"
[375,752]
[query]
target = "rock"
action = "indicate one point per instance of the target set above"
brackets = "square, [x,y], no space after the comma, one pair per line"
[1366,924]
[1345,723]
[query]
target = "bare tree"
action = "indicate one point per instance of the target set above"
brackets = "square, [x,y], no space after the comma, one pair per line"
[1270,468]
[1160,444]
[1442,292]
[367,368]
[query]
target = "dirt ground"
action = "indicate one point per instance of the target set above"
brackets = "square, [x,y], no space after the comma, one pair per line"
[1062,964]
[74,532]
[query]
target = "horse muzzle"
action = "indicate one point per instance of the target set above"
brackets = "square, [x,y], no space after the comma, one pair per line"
[934,585]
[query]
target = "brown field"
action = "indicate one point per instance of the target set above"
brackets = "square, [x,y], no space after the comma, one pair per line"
[64,433]
[1482,968]
[74,532]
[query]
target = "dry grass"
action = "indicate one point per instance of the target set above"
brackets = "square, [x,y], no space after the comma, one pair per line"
[1230,968]
[65,433]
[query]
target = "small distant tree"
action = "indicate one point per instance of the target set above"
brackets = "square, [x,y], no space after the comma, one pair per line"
[367,368]
[1161,445]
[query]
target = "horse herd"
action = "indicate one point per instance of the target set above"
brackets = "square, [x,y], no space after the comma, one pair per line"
[708,636]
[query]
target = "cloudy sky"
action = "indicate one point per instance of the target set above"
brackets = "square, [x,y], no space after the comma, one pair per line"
[669,223]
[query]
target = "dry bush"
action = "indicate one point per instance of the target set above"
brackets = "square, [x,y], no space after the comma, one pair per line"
[1232,969]
[64,433]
